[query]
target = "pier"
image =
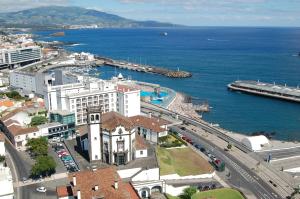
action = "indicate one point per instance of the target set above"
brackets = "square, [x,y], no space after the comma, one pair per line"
[145,68]
[267,90]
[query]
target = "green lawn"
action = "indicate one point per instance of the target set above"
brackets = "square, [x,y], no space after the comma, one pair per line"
[224,193]
[181,161]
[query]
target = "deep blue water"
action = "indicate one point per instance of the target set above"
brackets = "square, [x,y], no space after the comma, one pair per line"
[216,57]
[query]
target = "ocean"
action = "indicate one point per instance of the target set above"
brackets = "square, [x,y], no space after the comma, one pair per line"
[216,56]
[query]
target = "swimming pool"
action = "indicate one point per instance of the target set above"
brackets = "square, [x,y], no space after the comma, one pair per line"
[156,99]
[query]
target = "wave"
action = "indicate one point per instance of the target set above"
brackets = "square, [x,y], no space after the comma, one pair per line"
[76,44]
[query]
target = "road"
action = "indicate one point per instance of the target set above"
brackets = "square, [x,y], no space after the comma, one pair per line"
[281,154]
[240,175]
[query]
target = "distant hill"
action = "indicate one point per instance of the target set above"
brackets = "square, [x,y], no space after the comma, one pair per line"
[59,16]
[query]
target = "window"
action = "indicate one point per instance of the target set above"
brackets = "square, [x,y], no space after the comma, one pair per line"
[95,138]
[92,118]
[96,157]
[120,146]
[141,152]
[97,117]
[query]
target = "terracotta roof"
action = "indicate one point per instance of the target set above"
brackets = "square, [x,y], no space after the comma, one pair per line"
[10,114]
[140,142]
[6,103]
[18,130]
[111,120]
[104,179]
[2,137]
[152,123]
[82,130]
[9,122]
[64,191]
[131,190]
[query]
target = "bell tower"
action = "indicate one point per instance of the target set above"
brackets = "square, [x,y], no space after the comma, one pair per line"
[94,133]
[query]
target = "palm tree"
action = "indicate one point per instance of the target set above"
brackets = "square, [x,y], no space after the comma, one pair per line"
[188,193]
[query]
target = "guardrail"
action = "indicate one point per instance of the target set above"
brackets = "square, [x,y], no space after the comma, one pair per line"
[204,126]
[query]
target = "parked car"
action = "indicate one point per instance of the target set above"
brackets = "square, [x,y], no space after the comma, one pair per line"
[41,189]
[197,146]
[202,150]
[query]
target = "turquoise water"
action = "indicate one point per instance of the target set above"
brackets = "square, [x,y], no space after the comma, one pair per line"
[216,56]
[162,95]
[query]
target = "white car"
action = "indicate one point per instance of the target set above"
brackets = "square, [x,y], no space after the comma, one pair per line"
[41,189]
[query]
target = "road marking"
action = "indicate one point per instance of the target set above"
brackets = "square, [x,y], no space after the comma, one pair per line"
[281,159]
[293,147]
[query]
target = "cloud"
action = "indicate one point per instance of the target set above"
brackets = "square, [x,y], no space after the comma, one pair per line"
[16,5]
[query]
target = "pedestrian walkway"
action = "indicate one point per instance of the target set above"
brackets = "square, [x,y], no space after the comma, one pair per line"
[51,178]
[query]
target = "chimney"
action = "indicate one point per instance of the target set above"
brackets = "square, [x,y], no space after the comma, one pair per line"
[150,115]
[78,194]
[96,188]
[74,180]
[116,185]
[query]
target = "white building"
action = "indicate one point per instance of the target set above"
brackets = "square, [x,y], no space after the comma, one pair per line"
[255,143]
[111,138]
[2,147]
[78,96]
[6,183]
[91,92]
[28,82]
[129,101]
[20,56]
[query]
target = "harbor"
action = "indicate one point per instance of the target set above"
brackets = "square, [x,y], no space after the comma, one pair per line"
[267,90]
[145,68]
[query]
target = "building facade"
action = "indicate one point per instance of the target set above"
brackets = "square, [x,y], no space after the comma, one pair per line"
[20,56]
[111,137]
[64,117]
[129,102]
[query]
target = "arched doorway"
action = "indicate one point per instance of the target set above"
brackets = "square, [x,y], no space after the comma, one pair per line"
[156,189]
[145,192]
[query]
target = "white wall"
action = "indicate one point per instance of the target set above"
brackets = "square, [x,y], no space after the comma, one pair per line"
[147,175]
[2,148]
[141,153]
[127,173]
[94,142]
[129,103]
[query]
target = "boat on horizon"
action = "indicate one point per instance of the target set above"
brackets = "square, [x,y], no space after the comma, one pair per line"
[164,34]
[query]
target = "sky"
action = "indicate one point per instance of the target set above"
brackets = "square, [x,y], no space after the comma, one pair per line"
[186,12]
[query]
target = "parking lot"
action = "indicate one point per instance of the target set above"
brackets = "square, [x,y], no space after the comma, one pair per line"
[64,160]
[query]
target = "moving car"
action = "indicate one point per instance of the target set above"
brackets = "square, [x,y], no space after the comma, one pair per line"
[41,189]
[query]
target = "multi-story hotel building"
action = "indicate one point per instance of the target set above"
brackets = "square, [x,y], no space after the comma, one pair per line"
[78,96]
[20,56]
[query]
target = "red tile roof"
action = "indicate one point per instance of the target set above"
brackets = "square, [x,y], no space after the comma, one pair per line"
[16,130]
[111,120]
[152,123]
[103,178]
[64,191]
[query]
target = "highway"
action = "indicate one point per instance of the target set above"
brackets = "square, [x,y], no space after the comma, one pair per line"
[240,174]
[281,154]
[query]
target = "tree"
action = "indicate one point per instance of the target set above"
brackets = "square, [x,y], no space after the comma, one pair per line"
[38,120]
[14,95]
[44,166]
[188,193]
[229,146]
[38,146]
[2,158]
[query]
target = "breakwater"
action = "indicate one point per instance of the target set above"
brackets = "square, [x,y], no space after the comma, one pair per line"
[145,68]
[267,90]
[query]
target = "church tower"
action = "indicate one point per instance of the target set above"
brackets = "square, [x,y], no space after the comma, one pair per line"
[94,133]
